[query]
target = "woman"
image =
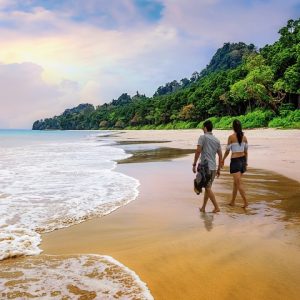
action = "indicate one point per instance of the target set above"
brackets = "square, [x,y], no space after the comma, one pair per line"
[238,145]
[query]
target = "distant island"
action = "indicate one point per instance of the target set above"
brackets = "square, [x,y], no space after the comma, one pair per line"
[259,86]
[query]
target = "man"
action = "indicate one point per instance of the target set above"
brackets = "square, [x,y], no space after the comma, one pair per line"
[208,146]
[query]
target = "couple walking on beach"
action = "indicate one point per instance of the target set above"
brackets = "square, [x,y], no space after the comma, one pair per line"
[207,149]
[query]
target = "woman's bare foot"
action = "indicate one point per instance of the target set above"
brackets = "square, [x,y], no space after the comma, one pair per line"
[202,209]
[231,203]
[216,210]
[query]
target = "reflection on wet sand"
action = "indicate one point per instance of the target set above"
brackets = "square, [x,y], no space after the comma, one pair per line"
[207,220]
[270,195]
[273,199]
[156,154]
[133,142]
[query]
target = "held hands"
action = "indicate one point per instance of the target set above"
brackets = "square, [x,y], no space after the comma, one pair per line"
[222,164]
[218,171]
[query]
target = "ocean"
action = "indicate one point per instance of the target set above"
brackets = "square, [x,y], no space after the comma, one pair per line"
[55,179]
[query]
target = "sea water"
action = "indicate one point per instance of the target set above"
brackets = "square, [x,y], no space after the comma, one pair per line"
[55,179]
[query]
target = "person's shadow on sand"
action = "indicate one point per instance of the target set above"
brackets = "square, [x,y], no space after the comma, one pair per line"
[207,220]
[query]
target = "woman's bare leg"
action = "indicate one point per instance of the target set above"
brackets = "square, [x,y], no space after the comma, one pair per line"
[242,192]
[234,193]
[237,177]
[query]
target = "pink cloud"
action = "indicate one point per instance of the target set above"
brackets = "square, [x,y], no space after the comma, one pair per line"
[26,97]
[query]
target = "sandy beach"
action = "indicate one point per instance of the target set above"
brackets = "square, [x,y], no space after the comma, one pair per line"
[181,253]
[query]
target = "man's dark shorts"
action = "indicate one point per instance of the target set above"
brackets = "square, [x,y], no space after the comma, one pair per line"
[212,177]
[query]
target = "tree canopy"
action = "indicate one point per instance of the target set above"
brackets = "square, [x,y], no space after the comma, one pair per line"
[238,79]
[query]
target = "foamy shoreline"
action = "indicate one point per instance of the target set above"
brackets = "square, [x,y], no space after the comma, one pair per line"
[270,149]
[57,174]
[70,182]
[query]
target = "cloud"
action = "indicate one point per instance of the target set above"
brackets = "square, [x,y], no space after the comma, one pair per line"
[26,97]
[6,4]
[214,22]
[106,14]
[137,58]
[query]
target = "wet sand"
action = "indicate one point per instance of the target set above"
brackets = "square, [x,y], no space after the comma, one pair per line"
[184,254]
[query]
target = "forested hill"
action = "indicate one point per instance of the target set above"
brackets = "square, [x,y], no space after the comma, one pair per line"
[239,79]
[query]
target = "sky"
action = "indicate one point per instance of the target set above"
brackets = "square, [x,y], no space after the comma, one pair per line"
[60,53]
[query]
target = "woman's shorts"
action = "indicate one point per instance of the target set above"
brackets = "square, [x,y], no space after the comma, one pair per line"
[238,164]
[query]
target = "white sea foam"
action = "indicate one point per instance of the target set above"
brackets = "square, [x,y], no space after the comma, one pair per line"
[53,185]
[71,277]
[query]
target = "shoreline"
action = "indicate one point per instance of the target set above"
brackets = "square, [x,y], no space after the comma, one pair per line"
[172,247]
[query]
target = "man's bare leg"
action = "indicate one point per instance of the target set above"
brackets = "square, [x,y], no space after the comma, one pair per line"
[205,199]
[212,197]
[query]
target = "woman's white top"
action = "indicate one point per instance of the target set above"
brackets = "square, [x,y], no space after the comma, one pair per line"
[236,147]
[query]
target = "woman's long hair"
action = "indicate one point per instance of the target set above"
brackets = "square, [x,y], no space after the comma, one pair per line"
[237,127]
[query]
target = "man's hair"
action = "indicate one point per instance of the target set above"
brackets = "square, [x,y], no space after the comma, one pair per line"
[208,125]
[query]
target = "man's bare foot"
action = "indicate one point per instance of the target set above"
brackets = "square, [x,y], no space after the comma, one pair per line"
[216,210]
[245,205]
[231,203]
[202,209]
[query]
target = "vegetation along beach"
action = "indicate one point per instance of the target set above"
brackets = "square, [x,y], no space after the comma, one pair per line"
[97,196]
